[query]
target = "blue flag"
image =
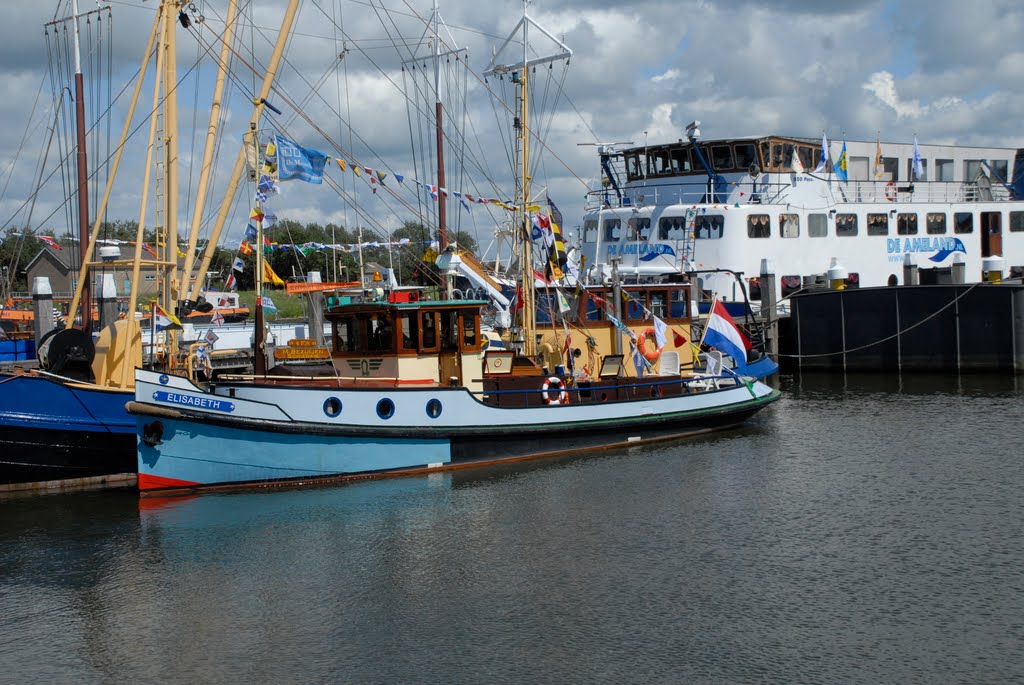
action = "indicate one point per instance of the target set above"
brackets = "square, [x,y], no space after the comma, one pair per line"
[824,154]
[295,161]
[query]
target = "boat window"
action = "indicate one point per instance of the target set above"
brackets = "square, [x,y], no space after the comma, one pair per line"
[790,284]
[807,157]
[972,169]
[746,154]
[678,303]
[708,226]
[890,169]
[410,339]
[721,157]
[658,304]
[449,330]
[381,334]
[878,224]
[906,224]
[846,225]
[935,223]
[428,331]
[817,225]
[1016,222]
[639,228]
[470,331]
[757,226]
[944,170]
[910,170]
[999,167]
[681,160]
[636,309]
[766,154]
[346,334]
[963,222]
[590,231]
[612,228]
[659,162]
[789,225]
[777,159]
[672,228]
[594,310]
[754,288]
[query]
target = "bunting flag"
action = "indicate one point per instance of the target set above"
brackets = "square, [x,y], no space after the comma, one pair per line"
[245,248]
[660,330]
[165,321]
[151,251]
[268,304]
[231,283]
[269,219]
[356,171]
[299,163]
[556,214]
[341,164]
[238,265]
[678,338]
[50,241]
[399,178]
[217,319]
[250,233]
[270,277]
[256,214]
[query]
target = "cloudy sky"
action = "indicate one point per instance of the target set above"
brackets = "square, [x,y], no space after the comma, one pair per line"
[948,71]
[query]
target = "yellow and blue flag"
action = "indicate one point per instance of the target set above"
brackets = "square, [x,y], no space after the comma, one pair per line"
[840,166]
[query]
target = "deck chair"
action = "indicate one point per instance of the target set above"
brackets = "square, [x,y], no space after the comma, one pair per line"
[668,363]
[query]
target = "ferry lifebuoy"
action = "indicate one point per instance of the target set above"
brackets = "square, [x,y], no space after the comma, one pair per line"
[641,344]
[556,385]
[890,191]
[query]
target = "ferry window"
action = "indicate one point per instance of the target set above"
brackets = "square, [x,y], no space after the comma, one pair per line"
[658,306]
[790,284]
[1016,222]
[634,166]
[754,288]
[590,231]
[944,170]
[449,330]
[639,228]
[807,157]
[757,226]
[890,169]
[410,339]
[910,170]
[972,169]
[853,280]
[817,225]
[746,154]
[428,331]
[635,309]
[678,303]
[906,224]
[672,228]
[612,228]
[721,157]
[878,224]
[846,225]
[469,330]
[999,168]
[659,162]
[935,223]
[709,226]
[963,222]
[681,160]
[766,154]
[789,225]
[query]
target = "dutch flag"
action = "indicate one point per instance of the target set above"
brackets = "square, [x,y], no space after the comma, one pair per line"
[723,335]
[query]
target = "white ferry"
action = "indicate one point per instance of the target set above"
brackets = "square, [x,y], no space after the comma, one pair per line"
[727,204]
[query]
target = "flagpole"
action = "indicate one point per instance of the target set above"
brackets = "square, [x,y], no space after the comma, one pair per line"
[152,335]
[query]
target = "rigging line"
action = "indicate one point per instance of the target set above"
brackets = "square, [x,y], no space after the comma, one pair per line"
[110,84]
[888,338]
[192,147]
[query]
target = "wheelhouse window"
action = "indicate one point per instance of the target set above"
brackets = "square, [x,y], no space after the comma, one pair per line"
[346,334]
[428,331]
[935,223]
[408,331]
[807,157]
[672,228]
[660,163]
[944,170]
[1016,222]
[963,222]
[381,333]
[635,165]
[817,225]
[612,229]
[878,224]
[636,309]
[681,161]
[658,305]
[757,226]
[449,330]
[746,154]
[470,330]
[678,303]
[789,225]
[721,157]
[708,226]
[594,311]
[972,169]
[590,231]
[906,224]
[846,225]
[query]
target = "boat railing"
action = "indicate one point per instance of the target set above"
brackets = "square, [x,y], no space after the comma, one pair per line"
[698,382]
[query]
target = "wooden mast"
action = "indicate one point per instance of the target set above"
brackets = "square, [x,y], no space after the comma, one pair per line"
[442,205]
[83,177]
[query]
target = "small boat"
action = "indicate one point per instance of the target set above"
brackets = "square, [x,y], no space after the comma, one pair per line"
[408,388]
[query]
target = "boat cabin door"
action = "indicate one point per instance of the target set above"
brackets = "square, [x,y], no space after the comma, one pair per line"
[449,361]
[991,234]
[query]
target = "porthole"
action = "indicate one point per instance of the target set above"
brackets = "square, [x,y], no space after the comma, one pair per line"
[385,408]
[434,408]
[332,406]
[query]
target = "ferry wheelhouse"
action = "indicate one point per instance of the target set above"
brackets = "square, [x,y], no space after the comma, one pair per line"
[695,206]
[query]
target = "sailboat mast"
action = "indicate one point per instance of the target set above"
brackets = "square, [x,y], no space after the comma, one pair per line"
[83,175]
[442,210]
[528,280]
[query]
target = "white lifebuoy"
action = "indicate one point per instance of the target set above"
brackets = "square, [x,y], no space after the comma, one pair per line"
[554,383]
[890,191]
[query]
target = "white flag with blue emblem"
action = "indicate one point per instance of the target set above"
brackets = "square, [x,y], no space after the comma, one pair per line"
[297,162]
[918,164]
[823,162]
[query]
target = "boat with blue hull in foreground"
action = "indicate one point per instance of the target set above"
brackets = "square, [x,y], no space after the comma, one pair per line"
[409,388]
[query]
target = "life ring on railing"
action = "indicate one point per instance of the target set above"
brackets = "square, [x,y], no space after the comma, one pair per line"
[556,385]
[890,191]
[641,344]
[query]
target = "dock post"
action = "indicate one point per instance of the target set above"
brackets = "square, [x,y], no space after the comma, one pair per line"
[107,301]
[42,307]
[769,302]
[316,310]
[959,269]
[910,274]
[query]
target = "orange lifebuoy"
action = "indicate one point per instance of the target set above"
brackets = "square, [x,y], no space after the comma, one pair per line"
[890,191]
[556,385]
[641,344]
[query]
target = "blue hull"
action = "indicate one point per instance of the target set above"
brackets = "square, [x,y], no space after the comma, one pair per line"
[52,431]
